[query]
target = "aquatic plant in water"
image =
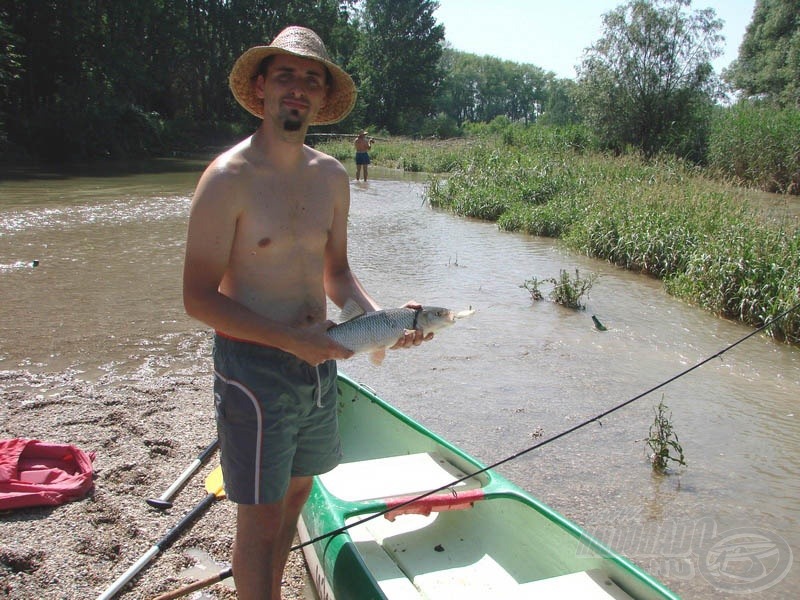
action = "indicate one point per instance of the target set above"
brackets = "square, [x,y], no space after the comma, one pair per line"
[566,290]
[663,441]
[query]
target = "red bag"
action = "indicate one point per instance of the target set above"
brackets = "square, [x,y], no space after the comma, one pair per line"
[34,473]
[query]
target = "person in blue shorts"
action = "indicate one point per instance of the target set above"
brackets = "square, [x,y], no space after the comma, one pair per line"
[363,145]
[266,248]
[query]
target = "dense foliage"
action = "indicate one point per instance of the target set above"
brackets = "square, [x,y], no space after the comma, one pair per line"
[648,81]
[769,57]
[479,88]
[86,78]
[398,80]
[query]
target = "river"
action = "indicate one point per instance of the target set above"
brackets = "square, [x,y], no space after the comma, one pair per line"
[104,298]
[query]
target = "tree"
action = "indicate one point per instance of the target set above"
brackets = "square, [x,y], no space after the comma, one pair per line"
[648,82]
[10,69]
[397,62]
[769,56]
[527,92]
[90,78]
[480,88]
[559,106]
[458,95]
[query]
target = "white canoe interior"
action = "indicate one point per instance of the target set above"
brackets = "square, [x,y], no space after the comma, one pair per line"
[405,475]
[486,551]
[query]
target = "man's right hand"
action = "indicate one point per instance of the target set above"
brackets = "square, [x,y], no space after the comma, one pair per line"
[315,346]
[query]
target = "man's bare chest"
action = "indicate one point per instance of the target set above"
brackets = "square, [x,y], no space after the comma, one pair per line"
[284,223]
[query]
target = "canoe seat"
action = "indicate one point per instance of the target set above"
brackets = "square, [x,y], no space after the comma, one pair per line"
[436,574]
[587,585]
[404,475]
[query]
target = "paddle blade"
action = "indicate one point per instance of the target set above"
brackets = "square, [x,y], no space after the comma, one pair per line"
[215,484]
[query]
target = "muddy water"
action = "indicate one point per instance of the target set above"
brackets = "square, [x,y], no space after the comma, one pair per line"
[104,298]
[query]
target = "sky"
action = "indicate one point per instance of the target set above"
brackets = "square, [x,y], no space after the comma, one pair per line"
[553,34]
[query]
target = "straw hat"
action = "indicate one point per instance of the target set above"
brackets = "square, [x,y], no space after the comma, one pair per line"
[295,41]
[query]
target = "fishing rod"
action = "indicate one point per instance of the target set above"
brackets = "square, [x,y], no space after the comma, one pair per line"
[344,135]
[228,572]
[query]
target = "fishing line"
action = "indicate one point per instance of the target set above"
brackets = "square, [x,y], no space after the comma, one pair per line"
[596,418]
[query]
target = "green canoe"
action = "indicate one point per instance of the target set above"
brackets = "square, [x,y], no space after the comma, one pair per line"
[480,538]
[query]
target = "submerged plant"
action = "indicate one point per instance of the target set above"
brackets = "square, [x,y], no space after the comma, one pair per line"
[569,291]
[566,290]
[532,285]
[663,440]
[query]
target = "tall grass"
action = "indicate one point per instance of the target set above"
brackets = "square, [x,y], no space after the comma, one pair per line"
[757,145]
[660,217]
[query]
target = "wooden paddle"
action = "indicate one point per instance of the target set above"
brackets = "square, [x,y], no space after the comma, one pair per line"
[215,489]
[163,501]
[197,585]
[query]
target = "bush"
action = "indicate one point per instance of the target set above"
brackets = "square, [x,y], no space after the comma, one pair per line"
[566,290]
[663,441]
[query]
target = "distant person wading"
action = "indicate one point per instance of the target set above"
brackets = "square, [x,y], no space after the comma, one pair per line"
[363,145]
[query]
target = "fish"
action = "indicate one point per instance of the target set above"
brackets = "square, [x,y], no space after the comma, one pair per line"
[376,331]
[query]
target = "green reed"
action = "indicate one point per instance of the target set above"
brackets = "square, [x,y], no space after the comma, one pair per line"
[757,144]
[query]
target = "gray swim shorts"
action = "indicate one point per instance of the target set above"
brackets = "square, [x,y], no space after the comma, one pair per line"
[276,419]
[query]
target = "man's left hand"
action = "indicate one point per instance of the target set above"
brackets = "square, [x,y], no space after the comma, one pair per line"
[412,337]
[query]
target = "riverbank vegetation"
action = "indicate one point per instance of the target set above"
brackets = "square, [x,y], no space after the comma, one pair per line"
[406,154]
[658,216]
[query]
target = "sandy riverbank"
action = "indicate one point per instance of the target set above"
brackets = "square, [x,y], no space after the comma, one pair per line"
[144,434]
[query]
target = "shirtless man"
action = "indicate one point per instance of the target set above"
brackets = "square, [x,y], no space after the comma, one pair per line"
[363,146]
[267,242]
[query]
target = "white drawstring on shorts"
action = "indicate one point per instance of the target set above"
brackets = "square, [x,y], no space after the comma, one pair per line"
[319,388]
